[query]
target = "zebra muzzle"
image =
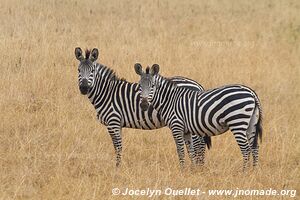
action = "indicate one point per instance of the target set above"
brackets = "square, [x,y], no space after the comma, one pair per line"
[144,104]
[84,87]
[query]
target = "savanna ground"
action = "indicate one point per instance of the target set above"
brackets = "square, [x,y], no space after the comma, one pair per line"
[52,147]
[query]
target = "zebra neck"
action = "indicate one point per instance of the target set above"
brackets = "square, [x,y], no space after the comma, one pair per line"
[164,97]
[102,89]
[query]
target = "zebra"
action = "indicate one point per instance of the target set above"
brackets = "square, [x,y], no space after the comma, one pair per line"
[206,113]
[116,102]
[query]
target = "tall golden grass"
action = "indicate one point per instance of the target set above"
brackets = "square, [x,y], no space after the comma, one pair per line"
[51,145]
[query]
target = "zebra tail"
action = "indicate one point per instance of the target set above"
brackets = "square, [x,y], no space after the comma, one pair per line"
[259,129]
[207,140]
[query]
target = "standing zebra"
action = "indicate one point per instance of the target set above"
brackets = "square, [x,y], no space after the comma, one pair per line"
[117,103]
[208,113]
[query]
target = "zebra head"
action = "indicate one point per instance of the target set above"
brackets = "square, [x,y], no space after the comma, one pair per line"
[86,69]
[147,84]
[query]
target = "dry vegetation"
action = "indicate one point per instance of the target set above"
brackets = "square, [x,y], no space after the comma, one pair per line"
[52,147]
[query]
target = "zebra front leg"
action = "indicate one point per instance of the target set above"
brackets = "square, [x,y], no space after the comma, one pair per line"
[188,139]
[179,141]
[200,147]
[115,134]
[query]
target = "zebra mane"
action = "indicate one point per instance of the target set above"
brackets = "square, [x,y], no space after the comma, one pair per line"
[171,81]
[167,79]
[112,74]
[148,70]
[87,53]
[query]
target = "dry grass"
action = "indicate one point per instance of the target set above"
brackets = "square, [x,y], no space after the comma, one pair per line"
[52,147]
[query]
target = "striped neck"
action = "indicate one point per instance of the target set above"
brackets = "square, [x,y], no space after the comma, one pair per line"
[105,81]
[164,95]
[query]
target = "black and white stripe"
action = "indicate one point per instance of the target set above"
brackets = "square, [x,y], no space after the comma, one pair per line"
[209,113]
[117,103]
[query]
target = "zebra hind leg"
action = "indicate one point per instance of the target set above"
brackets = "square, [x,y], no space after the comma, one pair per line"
[253,134]
[242,140]
[115,134]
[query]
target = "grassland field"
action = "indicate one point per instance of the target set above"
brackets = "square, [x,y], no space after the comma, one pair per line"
[51,145]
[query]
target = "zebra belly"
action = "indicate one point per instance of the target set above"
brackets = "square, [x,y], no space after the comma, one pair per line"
[207,132]
[147,120]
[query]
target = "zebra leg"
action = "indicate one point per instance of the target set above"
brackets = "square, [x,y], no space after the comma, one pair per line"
[253,136]
[242,140]
[200,147]
[115,134]
[188,139]
[178,133]
[255,152]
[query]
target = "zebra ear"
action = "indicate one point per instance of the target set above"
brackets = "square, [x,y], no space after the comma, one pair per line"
[94,55]
[78,54]
[138,69]
[154,69]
